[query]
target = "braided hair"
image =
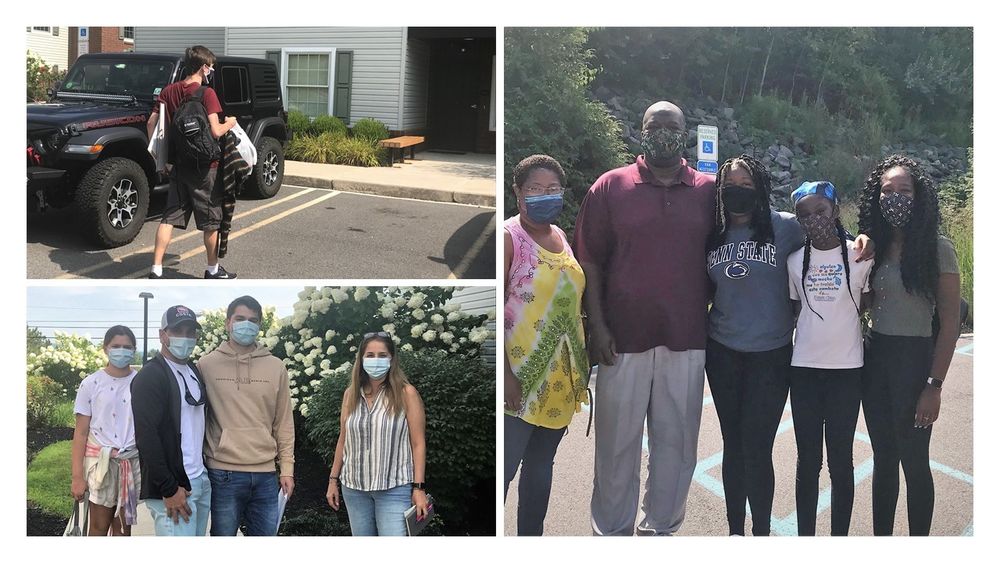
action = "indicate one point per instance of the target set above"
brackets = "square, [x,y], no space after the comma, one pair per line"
[842,236]
[760,222]
[919,260]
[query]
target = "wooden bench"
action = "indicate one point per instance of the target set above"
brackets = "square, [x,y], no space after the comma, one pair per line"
[400,143]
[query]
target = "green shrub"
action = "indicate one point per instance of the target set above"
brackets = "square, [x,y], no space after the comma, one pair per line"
[328,124]
[63,415]
[50,477]
[371,130]
[548,111]
[298,122]
[316,522]
[314,148]
[357,152]
[40,78]
[835,164]
[458,394]
[44,396]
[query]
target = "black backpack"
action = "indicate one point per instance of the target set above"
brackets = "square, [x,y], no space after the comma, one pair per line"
[191,132]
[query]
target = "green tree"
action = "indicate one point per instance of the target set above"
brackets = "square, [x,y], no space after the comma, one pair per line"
[36,340]
[547,111]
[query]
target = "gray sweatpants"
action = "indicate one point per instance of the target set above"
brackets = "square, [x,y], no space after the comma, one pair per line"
[664,389]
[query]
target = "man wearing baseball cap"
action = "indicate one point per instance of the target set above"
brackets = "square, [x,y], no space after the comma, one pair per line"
[168,405]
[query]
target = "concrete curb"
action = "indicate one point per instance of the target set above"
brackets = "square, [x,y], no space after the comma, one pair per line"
[387,190]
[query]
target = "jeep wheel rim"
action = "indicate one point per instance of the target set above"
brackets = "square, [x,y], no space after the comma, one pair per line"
[122,203]
[270,168]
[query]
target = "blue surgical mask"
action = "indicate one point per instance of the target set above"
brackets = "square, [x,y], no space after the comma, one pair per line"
[245,332]
[376,367]
[120,357]
[543,209]
[181,347]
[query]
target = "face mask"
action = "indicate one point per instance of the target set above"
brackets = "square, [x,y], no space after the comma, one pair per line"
[543,208]
[376,367]
[120,357]
[662,145]
[820,229]
[181,347]
[208,74]
[738,200]
[245,332]
[896,208]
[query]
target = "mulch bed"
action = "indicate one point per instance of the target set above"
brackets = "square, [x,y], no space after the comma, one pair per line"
[41,523]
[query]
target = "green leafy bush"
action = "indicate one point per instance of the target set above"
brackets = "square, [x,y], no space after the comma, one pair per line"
[458,394]
[314,148]
[44,397]
[298,122]
[357,152]
[547,111]
[40,78]
[67,361]
[328,124]
[371,130]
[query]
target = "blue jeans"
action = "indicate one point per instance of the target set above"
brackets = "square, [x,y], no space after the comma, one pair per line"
[244,496]
[378,513]
[198,502]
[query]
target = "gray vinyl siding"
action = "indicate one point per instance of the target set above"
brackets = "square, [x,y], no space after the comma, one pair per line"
[378,59]
[53,49]
[418,57]
[479,301]
[174,40]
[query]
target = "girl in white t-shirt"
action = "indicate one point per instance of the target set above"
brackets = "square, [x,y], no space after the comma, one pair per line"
[827,355]
[105,460]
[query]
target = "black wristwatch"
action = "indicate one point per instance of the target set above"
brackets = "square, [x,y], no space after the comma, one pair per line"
[420,486]
[934,382]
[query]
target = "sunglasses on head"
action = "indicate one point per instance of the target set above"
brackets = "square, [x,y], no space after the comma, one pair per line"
[374,334]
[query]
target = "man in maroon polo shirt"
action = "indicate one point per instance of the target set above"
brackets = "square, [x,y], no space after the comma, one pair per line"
[193,186]
[640,237]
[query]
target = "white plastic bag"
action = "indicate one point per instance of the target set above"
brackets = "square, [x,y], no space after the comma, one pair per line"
[243,144]
[158,142]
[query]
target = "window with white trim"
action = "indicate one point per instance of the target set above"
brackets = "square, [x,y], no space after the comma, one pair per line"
[127,34]
[42,29]
[308,80]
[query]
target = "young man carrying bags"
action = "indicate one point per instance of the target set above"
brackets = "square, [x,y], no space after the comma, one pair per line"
[195,154]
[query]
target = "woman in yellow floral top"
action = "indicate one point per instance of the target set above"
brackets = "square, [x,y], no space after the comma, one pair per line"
[546,370]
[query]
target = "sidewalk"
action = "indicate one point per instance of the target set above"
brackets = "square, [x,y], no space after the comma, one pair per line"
[467,178]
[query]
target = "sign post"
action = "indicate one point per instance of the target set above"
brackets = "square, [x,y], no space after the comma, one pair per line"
[83,42]
[708,149]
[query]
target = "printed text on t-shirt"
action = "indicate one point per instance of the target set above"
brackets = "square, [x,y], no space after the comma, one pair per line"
[745,250]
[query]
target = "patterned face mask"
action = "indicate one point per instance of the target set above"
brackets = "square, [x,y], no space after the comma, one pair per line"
[661,145]
[896,208]
[820,229]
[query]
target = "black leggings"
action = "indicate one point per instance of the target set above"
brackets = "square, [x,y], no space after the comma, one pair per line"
[749,391]
[533,448]
[829,398]
[896,371]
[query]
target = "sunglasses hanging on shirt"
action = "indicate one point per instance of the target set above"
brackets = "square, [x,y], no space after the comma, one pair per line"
[188,397]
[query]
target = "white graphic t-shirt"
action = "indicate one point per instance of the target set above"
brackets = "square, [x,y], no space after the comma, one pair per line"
[107,401]
[833,341]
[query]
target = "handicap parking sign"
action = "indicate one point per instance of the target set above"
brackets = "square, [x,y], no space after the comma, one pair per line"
[708,166]
[708,147]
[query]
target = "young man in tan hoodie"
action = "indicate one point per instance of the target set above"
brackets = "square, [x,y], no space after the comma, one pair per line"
[249,428]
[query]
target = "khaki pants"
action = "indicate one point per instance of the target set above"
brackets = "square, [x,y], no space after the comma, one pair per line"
[664,389]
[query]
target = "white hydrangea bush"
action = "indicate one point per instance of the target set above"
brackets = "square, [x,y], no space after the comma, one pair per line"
[322,336]
[67,360]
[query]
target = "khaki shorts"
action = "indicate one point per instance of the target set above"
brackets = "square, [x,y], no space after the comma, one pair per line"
[194,189]
[107,493]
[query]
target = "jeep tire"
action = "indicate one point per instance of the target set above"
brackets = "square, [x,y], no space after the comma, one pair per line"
[269,171]
[112,201]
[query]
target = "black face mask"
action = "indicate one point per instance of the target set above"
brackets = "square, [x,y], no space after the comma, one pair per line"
[738,199]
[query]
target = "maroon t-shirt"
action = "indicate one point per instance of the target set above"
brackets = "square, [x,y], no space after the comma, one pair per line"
[177,92]
[648,240]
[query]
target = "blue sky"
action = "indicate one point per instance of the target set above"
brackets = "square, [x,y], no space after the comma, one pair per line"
[90,310]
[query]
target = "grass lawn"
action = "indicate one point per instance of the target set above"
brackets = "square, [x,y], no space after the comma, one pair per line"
[49,479]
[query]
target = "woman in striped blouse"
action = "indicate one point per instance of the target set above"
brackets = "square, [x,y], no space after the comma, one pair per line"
[379,460]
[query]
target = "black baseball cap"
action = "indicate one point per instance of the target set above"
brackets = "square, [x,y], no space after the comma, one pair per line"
[177,315]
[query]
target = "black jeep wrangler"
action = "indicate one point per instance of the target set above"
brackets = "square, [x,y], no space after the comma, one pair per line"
[87,146]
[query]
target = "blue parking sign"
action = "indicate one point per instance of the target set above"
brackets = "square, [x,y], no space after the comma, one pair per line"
[708,147]
[708,166]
